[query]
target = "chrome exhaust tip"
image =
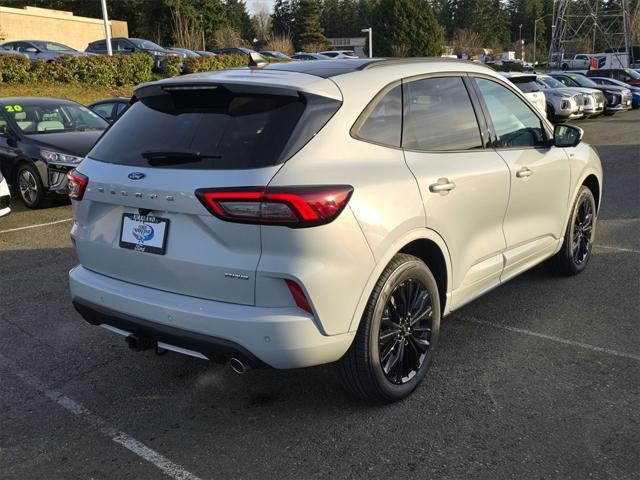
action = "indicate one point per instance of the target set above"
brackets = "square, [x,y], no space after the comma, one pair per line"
[238,366]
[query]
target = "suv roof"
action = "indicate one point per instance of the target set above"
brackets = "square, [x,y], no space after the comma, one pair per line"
[331,68]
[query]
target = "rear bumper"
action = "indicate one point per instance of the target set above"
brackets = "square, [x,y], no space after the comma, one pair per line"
[276,337]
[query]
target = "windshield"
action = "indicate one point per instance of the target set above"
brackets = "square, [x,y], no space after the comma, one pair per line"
[584,81]
[550,82]
[145,44]
[526,84]
[53,47]
[33,117]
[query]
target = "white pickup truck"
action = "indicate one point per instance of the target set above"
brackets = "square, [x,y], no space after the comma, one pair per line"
[580,62]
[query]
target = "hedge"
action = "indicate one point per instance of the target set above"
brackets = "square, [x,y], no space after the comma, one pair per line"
[90,70]
[103,70]
[171,66]
[217,62]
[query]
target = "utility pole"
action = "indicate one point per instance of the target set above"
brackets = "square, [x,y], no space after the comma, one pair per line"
[204,48]
[107,29]
[370,32]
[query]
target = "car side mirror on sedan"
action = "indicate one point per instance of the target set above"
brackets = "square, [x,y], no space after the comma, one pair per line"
[566,136]
[31,50]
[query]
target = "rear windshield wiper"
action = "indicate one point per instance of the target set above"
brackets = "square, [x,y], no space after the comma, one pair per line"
[162,158]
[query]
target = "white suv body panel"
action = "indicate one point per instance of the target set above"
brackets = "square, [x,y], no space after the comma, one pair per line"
[479,227]
[4,193]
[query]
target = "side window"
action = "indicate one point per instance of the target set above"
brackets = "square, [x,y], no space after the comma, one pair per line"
[120,108]
[97,46]
[514,122]
[105,110]
[563,80]
[383,122]
[439,116]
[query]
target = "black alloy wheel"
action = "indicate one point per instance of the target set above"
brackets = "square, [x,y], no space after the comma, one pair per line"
[404,339]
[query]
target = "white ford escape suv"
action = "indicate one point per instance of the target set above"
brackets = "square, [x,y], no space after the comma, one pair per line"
[305,213]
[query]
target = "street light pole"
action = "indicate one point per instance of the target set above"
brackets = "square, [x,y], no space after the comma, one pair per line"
[107,30]
[535,35]
[521,45]
[370,31]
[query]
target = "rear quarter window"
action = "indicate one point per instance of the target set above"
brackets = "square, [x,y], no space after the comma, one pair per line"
[381,122]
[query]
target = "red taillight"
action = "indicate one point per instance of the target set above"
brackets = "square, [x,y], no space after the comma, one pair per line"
[299,296]
[290,206]
[77,184]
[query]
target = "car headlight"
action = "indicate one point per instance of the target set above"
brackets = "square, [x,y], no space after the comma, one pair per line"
[59,158]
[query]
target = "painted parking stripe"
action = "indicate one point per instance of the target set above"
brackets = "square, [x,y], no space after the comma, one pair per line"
[171,469]
[618,249]
[552,338]
[36,226]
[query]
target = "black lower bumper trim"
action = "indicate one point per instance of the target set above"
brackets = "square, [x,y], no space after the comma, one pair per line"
[5,201]
[213,348]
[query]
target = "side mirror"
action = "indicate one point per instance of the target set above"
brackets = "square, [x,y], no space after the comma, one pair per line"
[31,50]
[566,136]
[3,130]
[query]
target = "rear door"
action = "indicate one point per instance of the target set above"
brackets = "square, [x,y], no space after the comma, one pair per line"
[464,186]
[540,176]
[140,220]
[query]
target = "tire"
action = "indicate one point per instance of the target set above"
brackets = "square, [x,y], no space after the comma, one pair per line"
[411,345]
[565,66]
[571,260]
[29,186]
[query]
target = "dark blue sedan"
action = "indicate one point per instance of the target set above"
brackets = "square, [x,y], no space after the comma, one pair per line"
[635,91]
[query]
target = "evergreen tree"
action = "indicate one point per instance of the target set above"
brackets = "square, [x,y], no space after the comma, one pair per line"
[407,28]
[239,19]
[284,16]
[307,25]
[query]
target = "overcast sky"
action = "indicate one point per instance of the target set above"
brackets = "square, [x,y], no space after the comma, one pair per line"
[255,5]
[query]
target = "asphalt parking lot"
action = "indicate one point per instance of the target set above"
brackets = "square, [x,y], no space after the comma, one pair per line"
[537,379]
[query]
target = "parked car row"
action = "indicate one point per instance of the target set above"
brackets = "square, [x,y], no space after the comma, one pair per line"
[49,51]
[570,96]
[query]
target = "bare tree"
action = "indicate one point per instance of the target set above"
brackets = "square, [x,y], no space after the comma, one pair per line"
[400,50]
[262,24]
[228,37]
[187,33]
[281,43]
[467,41]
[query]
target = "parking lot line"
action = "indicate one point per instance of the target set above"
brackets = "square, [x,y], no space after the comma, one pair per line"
[36,226]
[608,247]
[553,338]
[171,469]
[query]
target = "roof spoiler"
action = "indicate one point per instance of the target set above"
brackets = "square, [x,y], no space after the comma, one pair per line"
[257,61]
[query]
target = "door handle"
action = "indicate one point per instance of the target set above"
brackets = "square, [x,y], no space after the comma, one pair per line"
[524,172]
[443,186]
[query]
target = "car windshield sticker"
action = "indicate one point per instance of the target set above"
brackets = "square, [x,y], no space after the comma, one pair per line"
[13,108]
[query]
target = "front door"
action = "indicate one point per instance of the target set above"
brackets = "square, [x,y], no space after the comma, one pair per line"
[464,186]
[540,176]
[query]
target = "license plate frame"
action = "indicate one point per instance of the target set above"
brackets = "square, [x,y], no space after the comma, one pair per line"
[137,237]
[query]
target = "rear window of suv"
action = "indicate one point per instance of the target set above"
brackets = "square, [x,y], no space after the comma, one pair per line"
[211,129]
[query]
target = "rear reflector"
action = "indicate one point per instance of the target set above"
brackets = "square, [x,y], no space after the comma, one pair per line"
[77,185]
[299,296]
[289,206]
